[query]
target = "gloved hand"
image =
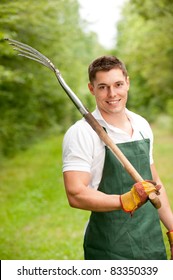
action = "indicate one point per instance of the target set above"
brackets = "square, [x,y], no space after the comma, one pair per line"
[138,195]
[170,238]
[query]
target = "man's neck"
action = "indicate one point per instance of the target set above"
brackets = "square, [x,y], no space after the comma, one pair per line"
[119,120]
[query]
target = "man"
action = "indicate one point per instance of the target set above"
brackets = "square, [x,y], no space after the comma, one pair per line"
[123,223]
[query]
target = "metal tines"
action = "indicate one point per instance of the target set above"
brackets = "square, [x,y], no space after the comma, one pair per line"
[31,53]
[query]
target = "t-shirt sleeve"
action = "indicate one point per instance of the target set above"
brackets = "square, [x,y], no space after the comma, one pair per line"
[144,127]
[148,134]
[77,148]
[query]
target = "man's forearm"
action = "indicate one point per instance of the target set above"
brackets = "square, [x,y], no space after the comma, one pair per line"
[94,200]
[165,212]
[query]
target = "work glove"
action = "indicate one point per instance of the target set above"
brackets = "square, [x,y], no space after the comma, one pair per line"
[138,195]
[170,238]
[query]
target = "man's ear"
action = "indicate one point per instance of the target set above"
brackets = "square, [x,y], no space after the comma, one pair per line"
[91,88]
[128,82]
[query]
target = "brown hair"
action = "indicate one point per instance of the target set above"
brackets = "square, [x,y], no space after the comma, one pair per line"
[105,63]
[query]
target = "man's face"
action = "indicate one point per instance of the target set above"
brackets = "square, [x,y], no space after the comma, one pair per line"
[110,89]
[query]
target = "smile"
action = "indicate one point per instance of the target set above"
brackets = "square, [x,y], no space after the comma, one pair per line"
[113,102]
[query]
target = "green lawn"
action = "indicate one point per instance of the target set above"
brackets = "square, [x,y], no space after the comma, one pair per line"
[36,220]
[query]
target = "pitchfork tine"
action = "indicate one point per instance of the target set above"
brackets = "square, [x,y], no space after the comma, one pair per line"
[33,56]
[31,53]
[37,60]
[25,52]
[25,47]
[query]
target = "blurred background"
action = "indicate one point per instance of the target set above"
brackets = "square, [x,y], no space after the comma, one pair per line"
[36,221]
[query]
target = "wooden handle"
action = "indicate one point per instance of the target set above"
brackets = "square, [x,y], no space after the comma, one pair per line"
[119,155]
[155,200]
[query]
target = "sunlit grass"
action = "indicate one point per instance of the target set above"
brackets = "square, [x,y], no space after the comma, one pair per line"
[163,157]
[36,220]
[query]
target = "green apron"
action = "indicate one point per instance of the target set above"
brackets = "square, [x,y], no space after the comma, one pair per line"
[116,235]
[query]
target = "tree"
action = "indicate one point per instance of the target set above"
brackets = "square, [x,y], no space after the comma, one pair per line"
[31,102]
[145,44]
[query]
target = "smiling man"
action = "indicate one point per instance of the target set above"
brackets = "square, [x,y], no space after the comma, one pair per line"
[123,223]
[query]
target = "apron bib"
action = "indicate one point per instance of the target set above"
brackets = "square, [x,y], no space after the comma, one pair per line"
[116,235]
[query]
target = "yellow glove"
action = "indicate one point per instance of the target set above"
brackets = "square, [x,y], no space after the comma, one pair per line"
[138,195]
[170,238]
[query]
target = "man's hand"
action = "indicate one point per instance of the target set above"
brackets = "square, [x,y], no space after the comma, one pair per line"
[170,238]
[138,195]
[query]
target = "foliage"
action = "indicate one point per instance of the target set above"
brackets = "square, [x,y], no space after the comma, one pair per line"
[31,102]
[145,45]
[33,105]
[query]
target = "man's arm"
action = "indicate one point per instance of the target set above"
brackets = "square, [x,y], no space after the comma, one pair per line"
[81,196]
[165,212]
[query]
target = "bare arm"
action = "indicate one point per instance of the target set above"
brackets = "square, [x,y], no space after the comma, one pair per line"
[81,196]
[165,212]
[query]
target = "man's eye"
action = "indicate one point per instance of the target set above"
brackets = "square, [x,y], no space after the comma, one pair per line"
[102,87]
[120,84]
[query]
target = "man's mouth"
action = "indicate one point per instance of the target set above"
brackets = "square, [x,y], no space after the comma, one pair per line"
[113,102]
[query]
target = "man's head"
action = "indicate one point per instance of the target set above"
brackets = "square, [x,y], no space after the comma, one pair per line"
[109,84]
[105,63]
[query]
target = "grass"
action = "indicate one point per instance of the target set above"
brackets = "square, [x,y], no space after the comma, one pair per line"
[163,156]
[36,220]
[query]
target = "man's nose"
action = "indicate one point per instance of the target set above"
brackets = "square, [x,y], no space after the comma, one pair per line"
[112,91]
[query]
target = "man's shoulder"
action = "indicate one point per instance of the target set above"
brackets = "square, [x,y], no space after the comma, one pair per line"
[79,126]
[81,130]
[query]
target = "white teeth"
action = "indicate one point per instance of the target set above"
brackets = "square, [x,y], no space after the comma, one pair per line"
[113,102]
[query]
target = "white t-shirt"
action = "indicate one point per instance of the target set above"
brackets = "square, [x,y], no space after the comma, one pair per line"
[84,151]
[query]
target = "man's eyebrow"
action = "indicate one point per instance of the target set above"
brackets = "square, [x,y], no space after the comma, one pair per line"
[102,84]
[105,84]
[121,81]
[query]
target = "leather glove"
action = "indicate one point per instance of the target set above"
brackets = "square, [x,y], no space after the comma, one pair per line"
[170,238]
[138,195]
